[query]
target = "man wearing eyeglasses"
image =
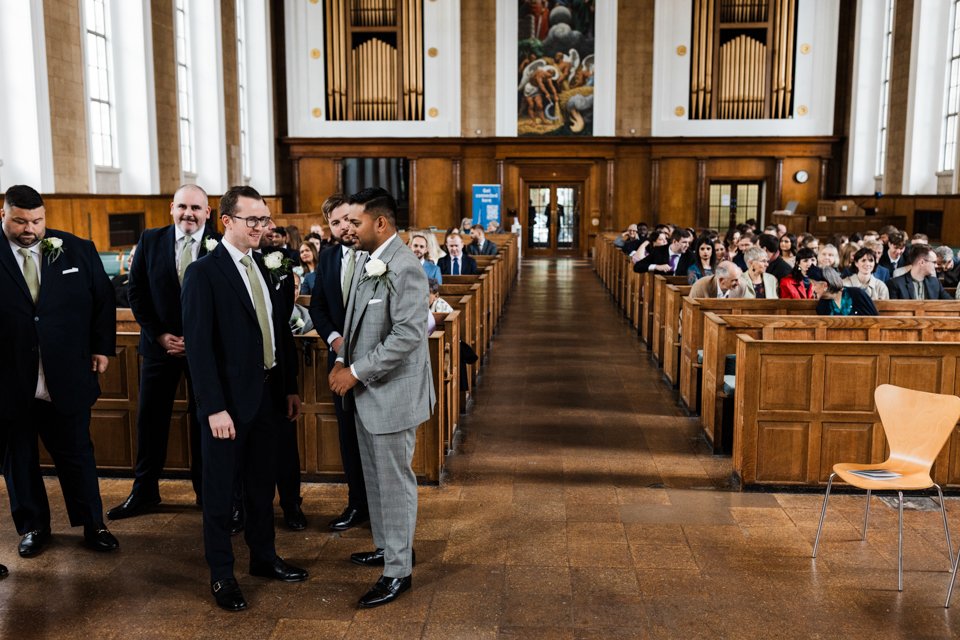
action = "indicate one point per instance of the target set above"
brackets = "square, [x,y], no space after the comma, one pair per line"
[920,281]
[157,270]
[241,347]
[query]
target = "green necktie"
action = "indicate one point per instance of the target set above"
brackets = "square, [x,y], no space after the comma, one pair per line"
[30,273]
[348,274]
[260,306]
[186,255]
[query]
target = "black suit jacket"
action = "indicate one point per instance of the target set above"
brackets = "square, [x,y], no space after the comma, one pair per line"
[489,249]
[661,255]
[886,262]
[225,344]
[468,266]
[154,287]
[74,318]
[901,288]
[326,301]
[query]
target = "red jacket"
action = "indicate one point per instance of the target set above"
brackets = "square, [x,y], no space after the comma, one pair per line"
[791,288]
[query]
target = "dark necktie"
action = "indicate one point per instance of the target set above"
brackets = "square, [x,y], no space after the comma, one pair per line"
[673,261]
[456,266]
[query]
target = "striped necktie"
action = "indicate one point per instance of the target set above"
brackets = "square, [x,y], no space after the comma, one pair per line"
[260,306]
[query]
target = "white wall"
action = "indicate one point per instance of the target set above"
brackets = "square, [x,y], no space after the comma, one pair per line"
[26,147]
[209,129]
[814,82]
[306,86]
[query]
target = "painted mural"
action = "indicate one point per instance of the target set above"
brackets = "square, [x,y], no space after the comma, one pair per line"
[555,65]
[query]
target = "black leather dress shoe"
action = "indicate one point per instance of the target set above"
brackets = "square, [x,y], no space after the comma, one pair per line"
[278,570]
[33,542]
[348,519]
[237,520]
[100,539]
[386,590]
[3,571]
[375,558]
[294,518]
[135,505]
[228,595]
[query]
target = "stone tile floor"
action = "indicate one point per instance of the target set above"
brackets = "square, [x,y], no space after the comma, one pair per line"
[581,504]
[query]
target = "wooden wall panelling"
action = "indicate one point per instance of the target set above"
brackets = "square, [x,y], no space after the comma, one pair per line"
[317,179]
[436,194]
[806,194]
[631,197]
[678,191]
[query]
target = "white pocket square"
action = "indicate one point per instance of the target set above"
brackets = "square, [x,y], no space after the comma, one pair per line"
[71,270]
[376,301]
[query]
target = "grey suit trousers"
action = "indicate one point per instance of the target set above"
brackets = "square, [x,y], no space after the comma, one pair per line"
[391,495]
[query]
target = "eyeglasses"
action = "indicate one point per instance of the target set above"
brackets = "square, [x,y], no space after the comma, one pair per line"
[252,222]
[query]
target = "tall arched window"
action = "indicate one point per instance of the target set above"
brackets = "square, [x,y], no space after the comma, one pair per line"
[99,84]
[948,134]
[184,83]
[885,87]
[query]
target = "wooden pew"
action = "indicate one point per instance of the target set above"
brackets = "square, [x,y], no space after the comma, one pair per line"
[692,322]
[463,299]
[670,344]
[720,340]
[660,283]
[450,324]
[802,406]
[469,286]
[114,416]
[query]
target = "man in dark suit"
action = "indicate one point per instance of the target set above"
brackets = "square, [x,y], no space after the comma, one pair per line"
[892,258]
[335,270]
[455,263]
[241,347]
[670,259]
[776,265]
[480,246]
[155,276]
[59,328]
[920,281]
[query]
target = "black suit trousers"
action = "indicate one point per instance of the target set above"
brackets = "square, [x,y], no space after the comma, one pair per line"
[251,458]
[159,379]
[349,449]
[67,438]
[288,465]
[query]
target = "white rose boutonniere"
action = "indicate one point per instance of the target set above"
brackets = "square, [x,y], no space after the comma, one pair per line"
[52,248]
[376,269]
[210,244]
[278,265]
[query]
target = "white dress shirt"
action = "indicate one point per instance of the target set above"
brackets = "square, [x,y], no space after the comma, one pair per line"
[236,255]
[41,393]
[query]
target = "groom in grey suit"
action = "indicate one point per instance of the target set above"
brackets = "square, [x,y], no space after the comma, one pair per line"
[383,374]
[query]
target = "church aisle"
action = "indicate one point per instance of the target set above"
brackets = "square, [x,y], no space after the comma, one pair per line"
[581,504]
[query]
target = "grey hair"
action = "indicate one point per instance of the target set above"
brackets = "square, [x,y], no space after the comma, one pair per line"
[753,254]
[944,252]
[832,277]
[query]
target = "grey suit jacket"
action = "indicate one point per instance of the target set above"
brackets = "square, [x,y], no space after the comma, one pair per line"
[385,340]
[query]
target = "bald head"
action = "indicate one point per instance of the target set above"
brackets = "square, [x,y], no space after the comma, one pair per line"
[190,208]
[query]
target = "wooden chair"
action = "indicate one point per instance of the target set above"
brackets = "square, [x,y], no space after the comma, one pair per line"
[917,425]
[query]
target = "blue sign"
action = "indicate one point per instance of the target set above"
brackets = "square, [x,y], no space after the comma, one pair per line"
[486,204]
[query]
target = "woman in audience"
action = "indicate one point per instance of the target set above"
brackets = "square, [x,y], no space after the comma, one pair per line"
[756,282]
[308,260]
[316,240]
[437,304]
[828,256]
[730,241]
[656,239]
[864,260]
[294,238]
[847,253]
[836,299]
[788,249]
[705,261]
[797,286]
[719,250]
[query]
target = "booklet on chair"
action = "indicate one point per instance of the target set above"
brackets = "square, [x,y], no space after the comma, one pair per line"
[876,474]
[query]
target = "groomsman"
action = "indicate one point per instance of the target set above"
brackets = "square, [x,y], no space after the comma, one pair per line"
[58,320]
[335,271]
[241,347]
[383,372]
[161,259]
